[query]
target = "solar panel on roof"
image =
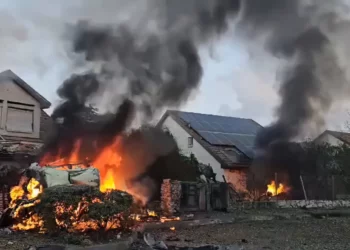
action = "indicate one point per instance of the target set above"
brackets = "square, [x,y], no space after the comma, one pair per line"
[221,124]
[221,130]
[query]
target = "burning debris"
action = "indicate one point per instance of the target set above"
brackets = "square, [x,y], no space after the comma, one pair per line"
[74,208]
[72,198]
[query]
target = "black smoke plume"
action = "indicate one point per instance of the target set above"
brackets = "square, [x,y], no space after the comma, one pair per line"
[137,73]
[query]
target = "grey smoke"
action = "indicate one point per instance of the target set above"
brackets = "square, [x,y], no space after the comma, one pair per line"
[293,31]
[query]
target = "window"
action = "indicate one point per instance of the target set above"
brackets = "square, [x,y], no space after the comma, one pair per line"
[190,142]
[20,120]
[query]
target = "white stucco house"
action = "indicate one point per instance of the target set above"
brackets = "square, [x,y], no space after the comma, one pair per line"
[334,138]
[226,143]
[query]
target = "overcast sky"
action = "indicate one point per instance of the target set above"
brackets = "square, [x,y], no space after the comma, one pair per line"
[235,82]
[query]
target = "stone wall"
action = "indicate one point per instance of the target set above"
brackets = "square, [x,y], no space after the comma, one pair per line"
[326,204]
[170,196]
[313,203]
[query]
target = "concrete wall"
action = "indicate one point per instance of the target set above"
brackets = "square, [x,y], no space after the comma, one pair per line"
[328,138]
[181,137]
[11,92]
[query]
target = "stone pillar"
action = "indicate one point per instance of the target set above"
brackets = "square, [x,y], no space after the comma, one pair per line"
[170,196]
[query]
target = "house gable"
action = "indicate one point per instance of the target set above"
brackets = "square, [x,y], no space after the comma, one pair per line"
[181,136]
[9,90]
[8,75]
[20,111]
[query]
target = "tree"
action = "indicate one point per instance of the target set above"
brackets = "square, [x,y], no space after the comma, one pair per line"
[325,159]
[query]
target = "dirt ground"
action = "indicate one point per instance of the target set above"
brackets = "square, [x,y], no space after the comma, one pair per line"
[330,233]
[266,229]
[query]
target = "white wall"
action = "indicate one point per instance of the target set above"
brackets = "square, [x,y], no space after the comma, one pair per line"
[328,138]
[181,137]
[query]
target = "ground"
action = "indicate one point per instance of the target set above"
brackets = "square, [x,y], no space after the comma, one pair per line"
[331,233]
[252,229]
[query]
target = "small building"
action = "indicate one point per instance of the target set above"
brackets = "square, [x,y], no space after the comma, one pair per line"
[334,138]
[23,122]
[224,143]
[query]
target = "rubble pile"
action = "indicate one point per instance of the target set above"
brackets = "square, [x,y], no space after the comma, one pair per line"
[170,196]
[75,208]
[48,199]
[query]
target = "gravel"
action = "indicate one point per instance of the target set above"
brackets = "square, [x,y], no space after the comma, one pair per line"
[284,233]
[310,233]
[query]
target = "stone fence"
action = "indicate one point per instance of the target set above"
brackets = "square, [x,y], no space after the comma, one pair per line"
[326,204]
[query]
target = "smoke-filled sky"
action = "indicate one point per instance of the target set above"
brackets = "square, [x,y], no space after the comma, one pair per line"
[236,80]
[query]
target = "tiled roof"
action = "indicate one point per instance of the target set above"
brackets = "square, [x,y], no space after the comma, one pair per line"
[8,74]
[230,140]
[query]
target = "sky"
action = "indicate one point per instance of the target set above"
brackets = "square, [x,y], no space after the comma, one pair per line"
[236,81]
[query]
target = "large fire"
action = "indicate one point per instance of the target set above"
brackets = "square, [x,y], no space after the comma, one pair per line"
[26,194]
[273,190]
[107,162]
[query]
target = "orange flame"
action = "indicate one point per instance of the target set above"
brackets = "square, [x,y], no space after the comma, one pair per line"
[23,198]
[34,188]
[107,161]
[274,190]
[31,221]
